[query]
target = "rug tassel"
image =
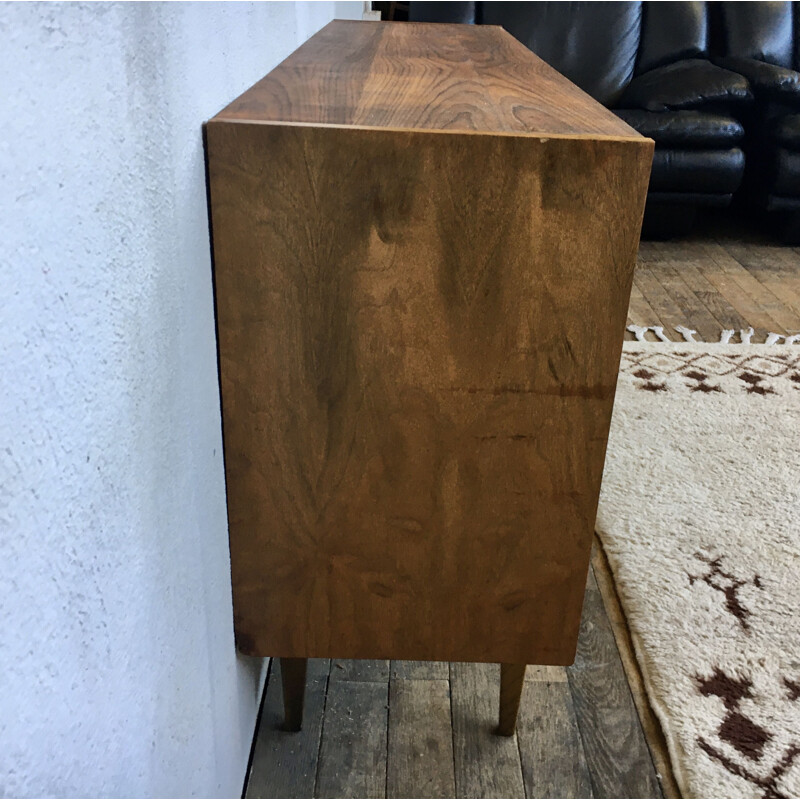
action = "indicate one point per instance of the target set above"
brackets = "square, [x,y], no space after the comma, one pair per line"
[640,330]
[725,336]
[659,332]
[774,338]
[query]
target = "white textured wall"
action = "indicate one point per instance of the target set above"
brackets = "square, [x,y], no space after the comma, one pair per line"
[118,674]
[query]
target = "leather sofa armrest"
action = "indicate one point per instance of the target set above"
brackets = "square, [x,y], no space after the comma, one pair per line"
[767,80]
[692,84]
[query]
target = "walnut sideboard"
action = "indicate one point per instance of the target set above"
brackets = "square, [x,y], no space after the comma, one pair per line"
[424,240]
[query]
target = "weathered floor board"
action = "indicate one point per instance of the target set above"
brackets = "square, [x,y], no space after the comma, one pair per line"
[726,275]
[550,745]
[352,758]
[285,764]
[421,670]
[362,670]
[420,739]
[486,765]
[418,729]
[619,759]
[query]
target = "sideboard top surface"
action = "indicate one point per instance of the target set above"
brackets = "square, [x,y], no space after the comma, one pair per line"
[422,76]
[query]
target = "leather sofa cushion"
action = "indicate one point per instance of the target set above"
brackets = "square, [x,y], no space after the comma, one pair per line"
[786,173]
[455,11]
[710,171]
[684,128]
[786,131]
[760,30]
[592,44]
[775,202]
[766,80]
[690,84]
[690,198]
[672,31]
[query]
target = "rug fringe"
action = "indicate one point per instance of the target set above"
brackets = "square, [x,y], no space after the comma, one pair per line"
[725,336]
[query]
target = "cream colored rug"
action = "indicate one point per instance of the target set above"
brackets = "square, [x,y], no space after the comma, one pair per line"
[700,520]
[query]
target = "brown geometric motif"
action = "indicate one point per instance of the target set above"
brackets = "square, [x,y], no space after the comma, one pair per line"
[730,690]
[700,382]
[653,368]
[746,736]
[767,783]
[755,384]
[768,366]
[728,585]
[648,384]
[716,365]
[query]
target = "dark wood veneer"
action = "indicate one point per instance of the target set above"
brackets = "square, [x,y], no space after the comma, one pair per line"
[424,244]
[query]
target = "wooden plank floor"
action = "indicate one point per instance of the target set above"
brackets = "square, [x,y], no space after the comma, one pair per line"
[407,729]
[404,729]
[726,275]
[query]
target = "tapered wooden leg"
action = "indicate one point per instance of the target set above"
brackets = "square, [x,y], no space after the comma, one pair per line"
[512,677]
[293,679]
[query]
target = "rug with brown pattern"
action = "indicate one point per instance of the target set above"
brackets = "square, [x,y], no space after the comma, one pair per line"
[700,519]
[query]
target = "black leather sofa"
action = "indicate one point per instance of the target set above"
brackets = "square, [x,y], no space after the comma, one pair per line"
[684,74]
[761,41]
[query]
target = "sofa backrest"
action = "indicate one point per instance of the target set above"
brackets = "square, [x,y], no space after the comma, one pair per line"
[601,45]
[594,44]
[796,14]
[672,31]
[760,30]
[433,11]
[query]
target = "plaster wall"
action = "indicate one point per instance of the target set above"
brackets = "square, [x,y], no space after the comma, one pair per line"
[119,673]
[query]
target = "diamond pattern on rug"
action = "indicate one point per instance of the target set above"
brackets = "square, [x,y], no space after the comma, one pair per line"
[757,374]
[771,367]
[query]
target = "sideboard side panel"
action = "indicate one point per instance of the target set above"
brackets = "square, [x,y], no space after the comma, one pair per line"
[419,342]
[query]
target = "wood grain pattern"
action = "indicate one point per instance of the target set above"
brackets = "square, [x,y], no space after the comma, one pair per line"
[541,674]
[654,293]
[718,306]
[293,678]
[703,321]
[763,302]
[616,751]
[285,764]
[640,312]
[360,670]
[420,670]
[651,727]
[550,745]
[418,366]
[775,268]
[486,765]
[738,277]
[551,757]
[418,76]
[512,679]
[419,338]
[420,760]
[352,760]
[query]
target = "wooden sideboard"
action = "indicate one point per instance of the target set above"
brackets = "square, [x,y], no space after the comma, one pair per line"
[424,239]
